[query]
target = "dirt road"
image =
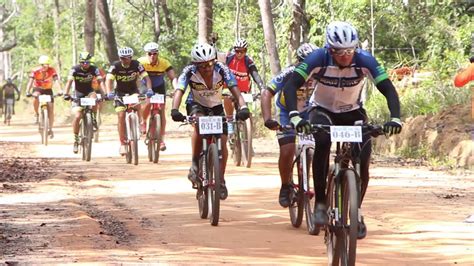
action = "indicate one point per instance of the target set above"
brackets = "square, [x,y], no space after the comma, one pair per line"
[105,211]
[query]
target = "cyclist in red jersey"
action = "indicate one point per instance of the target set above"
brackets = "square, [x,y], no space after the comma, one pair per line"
[242,66]
[466,75]
[41,81]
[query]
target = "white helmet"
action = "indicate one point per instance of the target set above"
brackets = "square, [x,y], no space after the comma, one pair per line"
[341,34]
[151,47]
[125,52]
[304,50]
[241,43]
[203,52]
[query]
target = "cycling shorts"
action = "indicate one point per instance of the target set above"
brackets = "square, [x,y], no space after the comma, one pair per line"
[42,91]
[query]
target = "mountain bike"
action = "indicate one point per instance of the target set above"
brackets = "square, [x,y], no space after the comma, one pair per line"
[8,110]
[153,137]
[240,140]
[343,191]
[86,130]
[45,101]
[302,194]
[131,125]
[209,177]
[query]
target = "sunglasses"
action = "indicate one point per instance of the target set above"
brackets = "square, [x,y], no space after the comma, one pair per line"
[85,62]
[150,54]
[341,52]
[240,51]
[205,64]
[126,57]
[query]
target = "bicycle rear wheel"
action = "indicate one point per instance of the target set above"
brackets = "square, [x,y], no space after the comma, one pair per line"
[202,192]
[150,138]
[134,138]
[98,119]
[214,185]
[45,128]
[296,207]
[157,138]
[87,137]
[246,142]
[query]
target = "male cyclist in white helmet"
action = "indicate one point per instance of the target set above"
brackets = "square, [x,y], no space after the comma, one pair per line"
[339,68]
[156,67]
[205,78]
[286,139]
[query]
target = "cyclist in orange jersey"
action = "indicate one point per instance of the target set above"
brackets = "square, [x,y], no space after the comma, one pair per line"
[42,79]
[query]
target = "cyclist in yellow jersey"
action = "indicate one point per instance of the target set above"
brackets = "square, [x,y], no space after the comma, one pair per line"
[157,67]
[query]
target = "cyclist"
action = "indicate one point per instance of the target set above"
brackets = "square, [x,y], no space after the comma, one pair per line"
[286,139]
[82,76]
[340,68]
[126,72]
[96,85]
[242,66]
[8,92]
[206,79]
[466,75]
[41,80]
[157,67]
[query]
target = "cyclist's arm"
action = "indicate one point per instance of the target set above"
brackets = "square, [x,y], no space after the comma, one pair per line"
[178,95]
[109,83]
[58,83]
[147,80]
[388,90]
[237,95]
[256,77]
[68,86]
[289,90]
[29,85]
[172,77]
[266,104]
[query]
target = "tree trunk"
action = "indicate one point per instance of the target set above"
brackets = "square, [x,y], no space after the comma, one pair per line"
[237,19]
[107,30]
[73,33]
[89,26]
[297,33]
[156,12]
[57,29]
[270,37]
[166,12]
[205,20]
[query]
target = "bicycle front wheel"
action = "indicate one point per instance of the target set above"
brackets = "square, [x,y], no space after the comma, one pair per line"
[98,119]
[87,137]
[133,123]
[246,142]
[309,191]
[45,126]
[157,139]
[237,151]
[201,194]
[296,207]
[214,185]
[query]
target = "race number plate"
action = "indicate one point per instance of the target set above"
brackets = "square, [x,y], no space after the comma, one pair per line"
[132,99]
[99,96]
[305,139]
[44,98]
[248,97]
[87,101]
[157,98]
[210,125]
[10,101]
[346,133]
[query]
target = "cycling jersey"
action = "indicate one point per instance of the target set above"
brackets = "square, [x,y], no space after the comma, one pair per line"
[303,93]
[126,78]
[241,69]
[43,79]
[200,93]
[156,72]
[83,78]
[339,89]
[463,77]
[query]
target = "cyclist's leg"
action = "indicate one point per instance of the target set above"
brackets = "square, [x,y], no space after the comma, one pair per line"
[120,110]
[196,140]
[320,163]
[36,92]
[162,90]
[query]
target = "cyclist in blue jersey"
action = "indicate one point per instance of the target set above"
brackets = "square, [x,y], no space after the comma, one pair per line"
[339,68]
[286,139]
[206,79]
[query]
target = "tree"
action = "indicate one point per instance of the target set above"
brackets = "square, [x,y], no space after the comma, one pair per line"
[270,36]
[107,30]
[156,13]
[6,42]
[89,26]
[205,20]
[298,28]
